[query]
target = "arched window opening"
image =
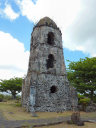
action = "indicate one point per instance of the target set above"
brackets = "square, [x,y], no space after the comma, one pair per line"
[50,61]
[50,39]
[53,89]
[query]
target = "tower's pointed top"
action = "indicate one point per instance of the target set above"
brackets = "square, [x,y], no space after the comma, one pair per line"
[46,21]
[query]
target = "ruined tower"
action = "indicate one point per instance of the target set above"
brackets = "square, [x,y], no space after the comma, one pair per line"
[46,87]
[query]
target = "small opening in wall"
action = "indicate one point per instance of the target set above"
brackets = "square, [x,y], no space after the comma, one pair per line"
[53,89]
[50,39]
[50,61]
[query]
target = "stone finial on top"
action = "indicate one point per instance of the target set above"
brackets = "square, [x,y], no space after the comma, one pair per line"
[46,21]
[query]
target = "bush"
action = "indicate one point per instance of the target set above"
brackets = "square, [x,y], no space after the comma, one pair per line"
[84,102]
[5,97]
[80,96]
[18,97]
[1,97]
[18,104]
[94,99]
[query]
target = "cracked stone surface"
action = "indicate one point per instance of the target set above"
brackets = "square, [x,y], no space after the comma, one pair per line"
[47,70]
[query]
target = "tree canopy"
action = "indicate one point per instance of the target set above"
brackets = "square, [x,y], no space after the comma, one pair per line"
[12,86]
[82,75]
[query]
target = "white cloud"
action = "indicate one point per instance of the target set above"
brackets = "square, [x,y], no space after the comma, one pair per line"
[62,12]
[13,57]
[9,13]
[76,19]
[81,35]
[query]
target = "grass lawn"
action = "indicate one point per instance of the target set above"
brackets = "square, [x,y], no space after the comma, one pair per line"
[65,125]
[13,112]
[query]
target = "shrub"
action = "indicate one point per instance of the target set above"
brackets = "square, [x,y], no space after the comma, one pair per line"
[80,96]
[1,97]
[4,97]
[18,97]
[7,97]
[84,102]
[94,99]
[18,104]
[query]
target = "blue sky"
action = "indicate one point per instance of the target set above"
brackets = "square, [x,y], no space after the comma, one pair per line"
[75,18]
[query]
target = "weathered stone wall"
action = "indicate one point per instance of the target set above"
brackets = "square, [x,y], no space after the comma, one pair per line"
[73,98]
[46,89]
[47,101]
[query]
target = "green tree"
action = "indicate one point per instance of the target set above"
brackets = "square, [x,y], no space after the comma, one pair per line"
[12,86]
[82,75]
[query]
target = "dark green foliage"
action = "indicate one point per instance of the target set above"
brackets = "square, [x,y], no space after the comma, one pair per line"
[18,102]
[5,97]
[18,97]
[82,75]
[80,96]
[1,97]
[84,101]
[12,86]
[94,99]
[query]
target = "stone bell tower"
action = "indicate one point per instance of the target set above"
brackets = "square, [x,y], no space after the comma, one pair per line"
[46,87]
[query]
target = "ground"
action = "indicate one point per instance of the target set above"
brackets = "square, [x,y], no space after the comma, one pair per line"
[65,125]
[11,113]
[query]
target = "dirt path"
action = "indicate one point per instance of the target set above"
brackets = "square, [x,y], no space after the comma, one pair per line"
[34,122]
